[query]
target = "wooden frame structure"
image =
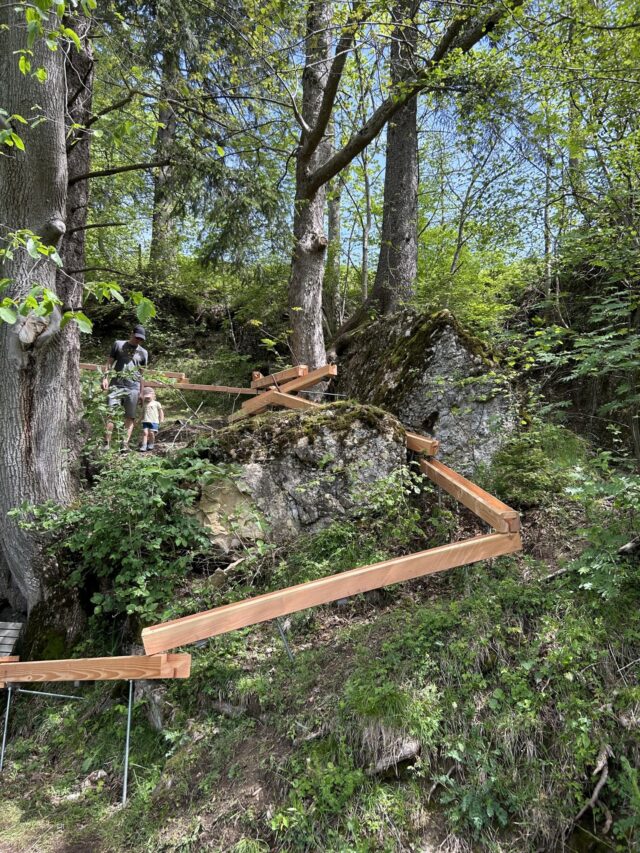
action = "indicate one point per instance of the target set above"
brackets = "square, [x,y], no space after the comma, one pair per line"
[280,389]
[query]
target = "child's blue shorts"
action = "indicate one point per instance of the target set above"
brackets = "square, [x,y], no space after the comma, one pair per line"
[150,425]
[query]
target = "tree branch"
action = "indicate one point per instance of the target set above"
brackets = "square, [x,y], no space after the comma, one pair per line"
[95,225]
[455,37]
[117,170]
[333,80]
[115,106]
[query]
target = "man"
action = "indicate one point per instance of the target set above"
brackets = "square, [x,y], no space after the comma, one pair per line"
[126,359]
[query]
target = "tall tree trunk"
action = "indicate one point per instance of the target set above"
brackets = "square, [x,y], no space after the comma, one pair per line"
[398,261]
[163,251]
[331,285]
[310,241]
[34,428]
[79,78]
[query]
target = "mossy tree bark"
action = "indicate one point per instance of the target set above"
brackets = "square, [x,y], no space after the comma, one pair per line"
[35,433]
[398,260]
[310,241]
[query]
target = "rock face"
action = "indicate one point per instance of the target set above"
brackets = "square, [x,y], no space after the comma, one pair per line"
[436,378]
[296,472]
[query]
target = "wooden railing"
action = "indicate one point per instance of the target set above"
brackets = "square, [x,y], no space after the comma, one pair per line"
[280,390]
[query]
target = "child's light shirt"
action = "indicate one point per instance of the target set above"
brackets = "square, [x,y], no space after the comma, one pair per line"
[152,412]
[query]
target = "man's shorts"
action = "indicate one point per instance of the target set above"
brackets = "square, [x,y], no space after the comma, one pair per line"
[128,397]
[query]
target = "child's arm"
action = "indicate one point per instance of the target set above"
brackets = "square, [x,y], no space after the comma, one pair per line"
[161,415]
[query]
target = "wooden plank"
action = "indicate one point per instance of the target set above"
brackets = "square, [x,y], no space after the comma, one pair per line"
[200,626]
[181,377]
[500,516]
[258,403]
[422,444]
[291,402]
[280,377]
[310,379]
[86,366]
[191,386]
[98,669]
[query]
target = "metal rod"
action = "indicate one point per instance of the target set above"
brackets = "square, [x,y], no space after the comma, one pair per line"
[6,726]
[283,637]
[126,746]
[55,695]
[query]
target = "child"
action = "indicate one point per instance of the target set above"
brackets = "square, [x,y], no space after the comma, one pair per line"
[151,419]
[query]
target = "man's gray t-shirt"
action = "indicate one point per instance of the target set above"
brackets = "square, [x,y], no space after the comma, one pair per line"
[127,358]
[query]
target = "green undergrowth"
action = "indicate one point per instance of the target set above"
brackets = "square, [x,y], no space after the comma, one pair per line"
[518,684]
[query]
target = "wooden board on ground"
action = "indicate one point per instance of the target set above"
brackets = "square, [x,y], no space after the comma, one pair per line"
[191,386]
[289,401]
[280,377]
[422,444]
[310,379]
[200,626]
[500,516]
[86,366]
[98,669]
[258,404]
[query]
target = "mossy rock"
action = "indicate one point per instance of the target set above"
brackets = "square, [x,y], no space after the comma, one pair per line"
[437,378]
[298,472]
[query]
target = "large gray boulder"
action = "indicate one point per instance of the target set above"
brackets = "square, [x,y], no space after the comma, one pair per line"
[437,378]
[287,473]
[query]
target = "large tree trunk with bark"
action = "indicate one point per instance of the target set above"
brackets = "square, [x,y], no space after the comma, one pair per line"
[163,251]
[35,465]
[310,241]
[331,287]
[398,260]
[79,79]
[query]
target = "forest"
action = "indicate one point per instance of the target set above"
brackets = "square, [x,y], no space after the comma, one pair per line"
[267,270]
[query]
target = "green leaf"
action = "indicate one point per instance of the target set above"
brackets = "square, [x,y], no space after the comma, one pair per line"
[84,323]
[145,310]
[24,65]
[17,141]
[73,36]
[32,248]
[8,315]
[40,74]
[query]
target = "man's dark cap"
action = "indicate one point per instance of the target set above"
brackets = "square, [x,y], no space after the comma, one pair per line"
[139,332]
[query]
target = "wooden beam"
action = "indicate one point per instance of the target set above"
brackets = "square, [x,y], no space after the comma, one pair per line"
[86,366]
[278,398]
[280,377]
[200,626]
[190,386]
[310,379]
[258,404]
[500,516]
[422,444]
[98,669]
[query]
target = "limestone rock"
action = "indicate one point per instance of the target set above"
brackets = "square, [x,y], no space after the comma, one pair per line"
[436,378]
[296,472]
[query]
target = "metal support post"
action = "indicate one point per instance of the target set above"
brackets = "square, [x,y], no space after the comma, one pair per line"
[126,745]
[283,637]
[6,725]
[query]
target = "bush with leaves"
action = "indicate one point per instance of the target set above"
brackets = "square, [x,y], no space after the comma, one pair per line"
[130,539]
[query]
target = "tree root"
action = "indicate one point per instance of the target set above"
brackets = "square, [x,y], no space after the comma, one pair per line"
[602,767]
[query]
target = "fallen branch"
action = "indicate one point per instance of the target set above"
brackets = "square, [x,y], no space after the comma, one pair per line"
[602,767]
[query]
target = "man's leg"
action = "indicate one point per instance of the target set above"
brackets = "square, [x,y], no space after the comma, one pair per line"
[112,400]
[130,404]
